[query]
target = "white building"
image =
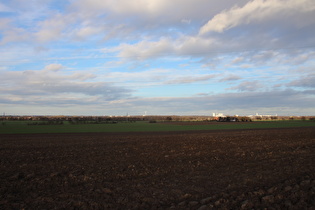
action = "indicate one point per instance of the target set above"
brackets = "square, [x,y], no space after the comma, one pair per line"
[218,115]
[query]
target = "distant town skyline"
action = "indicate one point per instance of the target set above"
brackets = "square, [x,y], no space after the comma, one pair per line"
[180,57]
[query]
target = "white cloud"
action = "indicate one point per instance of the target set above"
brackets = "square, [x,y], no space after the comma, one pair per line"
[141,77]
[4,8]
[14,35]
[187,46]
[247,86]
[146,49]
[10,33]
[237,49]
[85,32]
[257,11]
[158,77]
[52,29]
[53,67]
[164,9]
[129,20]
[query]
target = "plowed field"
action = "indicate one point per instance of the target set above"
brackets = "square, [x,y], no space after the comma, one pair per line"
[233,169]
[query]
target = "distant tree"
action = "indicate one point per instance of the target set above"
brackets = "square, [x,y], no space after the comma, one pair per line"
[169,118]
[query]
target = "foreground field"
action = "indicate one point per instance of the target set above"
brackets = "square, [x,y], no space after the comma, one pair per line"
[234,169]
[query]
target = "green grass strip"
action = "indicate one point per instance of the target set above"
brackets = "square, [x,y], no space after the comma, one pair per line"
[21,127]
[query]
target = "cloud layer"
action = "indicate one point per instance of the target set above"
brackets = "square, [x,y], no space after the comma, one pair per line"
[169,57]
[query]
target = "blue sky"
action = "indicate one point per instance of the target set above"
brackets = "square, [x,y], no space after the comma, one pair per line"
[180,57]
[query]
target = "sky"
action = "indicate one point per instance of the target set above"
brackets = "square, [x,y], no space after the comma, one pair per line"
[157,57]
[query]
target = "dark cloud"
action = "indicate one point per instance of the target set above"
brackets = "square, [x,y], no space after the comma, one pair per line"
[231,77]
[243,103]
[191,79]
[247,86]
[51,86]
[306,82]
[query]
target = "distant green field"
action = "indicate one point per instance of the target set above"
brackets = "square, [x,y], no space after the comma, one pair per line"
[21,127]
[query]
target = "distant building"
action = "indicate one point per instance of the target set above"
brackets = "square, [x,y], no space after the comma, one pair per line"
[218,115]
[262,116]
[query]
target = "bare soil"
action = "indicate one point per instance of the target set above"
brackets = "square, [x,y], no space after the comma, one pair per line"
[231,169]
